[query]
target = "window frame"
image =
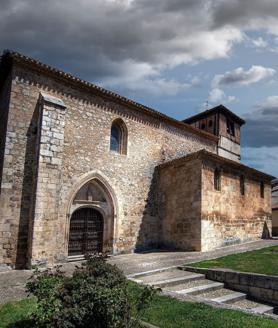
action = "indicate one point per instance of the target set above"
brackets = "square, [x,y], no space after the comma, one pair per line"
[262,189]
[217,179]
[242,185]
[120,125]
[230,127]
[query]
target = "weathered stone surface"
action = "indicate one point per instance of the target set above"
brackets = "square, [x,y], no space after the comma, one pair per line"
[229,217]
[260,286]
[195,216]
[53,150]
[55,139]
[179,205]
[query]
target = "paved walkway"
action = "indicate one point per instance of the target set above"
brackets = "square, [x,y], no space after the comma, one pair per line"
[140,262]
[12,282]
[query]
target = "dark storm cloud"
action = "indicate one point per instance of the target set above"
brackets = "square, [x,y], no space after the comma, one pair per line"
[96,38]
[261,127]
[107,39]
[243,12]
[263,158]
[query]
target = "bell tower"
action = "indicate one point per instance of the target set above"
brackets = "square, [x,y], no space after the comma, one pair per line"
[223,123]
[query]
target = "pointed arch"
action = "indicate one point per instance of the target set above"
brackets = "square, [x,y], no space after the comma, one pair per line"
[118,136]
[108,208]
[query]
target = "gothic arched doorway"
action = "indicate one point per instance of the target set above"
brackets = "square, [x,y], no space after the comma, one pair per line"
[86,232]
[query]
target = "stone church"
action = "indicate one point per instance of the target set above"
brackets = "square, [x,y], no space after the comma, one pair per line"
[84,169]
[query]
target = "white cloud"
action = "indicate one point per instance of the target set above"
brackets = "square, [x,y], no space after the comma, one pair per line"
[101,40]
[216,95]
[151,86]
[232,99]
[239,76]
[196,81]
[143,78]
[269,104]
[259,42]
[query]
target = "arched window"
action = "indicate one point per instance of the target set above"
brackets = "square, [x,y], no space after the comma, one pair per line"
[242,185]
[118,137]
[217,179]
[262,189]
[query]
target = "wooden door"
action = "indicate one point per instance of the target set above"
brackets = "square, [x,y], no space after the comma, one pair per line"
[86,232]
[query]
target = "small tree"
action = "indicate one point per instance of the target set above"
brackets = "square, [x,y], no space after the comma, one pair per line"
[95,296]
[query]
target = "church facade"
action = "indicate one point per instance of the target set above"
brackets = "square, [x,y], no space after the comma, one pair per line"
[86,170]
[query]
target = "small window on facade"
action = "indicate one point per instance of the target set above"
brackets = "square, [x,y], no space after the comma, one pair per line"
[210,123]
[242,185]
[115,138]
[217,179]
[118,137]
[230,127]
[203,126]
[262,189]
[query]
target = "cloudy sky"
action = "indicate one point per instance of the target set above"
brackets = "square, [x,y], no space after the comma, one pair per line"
[172,55]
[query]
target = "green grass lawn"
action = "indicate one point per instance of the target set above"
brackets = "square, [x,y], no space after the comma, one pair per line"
[263,261]
[164,312]
[13,312]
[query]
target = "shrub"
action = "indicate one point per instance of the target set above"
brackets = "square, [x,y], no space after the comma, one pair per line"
[95,296]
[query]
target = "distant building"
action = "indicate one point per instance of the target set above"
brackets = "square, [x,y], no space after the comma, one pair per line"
[274,186]
[84,169]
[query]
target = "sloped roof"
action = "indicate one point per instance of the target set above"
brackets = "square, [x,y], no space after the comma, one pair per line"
[274,184]
[10,57]
[203,154]
[219,108]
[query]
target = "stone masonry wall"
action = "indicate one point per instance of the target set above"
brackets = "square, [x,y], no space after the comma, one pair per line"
[179,204]
[275,222]
[43,225]
[4,109]
[5,232]
[229,217]
[88,119]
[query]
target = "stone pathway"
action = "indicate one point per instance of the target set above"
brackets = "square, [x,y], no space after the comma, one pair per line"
[185,285]
[12,282]
[139,262]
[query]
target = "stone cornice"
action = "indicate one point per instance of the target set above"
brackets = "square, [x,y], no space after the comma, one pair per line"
[206,155]
[32,64]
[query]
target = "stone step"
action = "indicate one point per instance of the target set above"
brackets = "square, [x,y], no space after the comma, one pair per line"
[230,298]
[176,281]
[199,289]
[254,306]
[261,309]
[150,272]
[212,294]
[165,275]
[75,258]
[188,284]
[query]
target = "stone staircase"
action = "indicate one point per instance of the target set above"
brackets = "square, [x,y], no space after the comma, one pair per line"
[179,283]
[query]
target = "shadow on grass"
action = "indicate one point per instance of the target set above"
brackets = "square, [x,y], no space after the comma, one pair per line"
[25,323]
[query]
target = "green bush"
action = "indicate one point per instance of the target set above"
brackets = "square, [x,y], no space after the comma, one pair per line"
[95,296]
